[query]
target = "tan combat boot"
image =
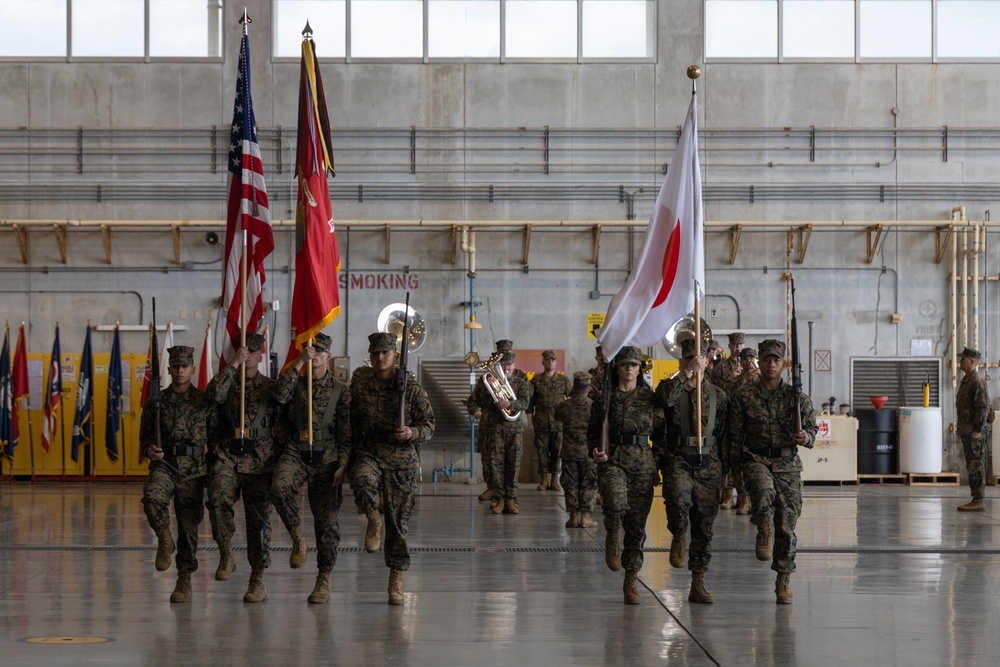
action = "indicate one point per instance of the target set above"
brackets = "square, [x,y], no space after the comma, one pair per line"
[164,549]
[699,594]
[726,499]
[763,547]
[586,521]
[373,535]
[572,521]
[227,564]
[321,591]
[742,502]
[678,546]
[256,591]
[486,495]
[395,586]
[612,554]
[554,484]
[182,591]
[782,592]
[496,505]
[544,484]
[510,506]
[299,548]
[629,587]
[976,505]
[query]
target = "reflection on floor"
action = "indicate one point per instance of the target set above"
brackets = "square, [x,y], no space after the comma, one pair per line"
[886,576]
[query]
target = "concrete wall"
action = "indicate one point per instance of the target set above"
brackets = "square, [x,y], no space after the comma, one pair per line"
[546,304]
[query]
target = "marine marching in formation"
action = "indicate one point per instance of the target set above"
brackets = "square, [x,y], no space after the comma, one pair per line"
[617,437]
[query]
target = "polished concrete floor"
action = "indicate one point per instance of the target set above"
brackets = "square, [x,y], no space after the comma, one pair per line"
[886,576]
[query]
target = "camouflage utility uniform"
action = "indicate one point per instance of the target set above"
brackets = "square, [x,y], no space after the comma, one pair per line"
[547,392]
[579,473]
[384,471]
[501,437]
[315,465]
[180,475]
[973,412]
[485,426]
[626,478]
[761,424]
[234,470]
[690,488]
[726,374]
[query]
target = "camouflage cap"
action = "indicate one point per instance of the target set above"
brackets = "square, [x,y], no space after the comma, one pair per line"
[549,354]
[255,341]
[322,342]
[380,341]
[970,353]
[505,345]
[581,379]
[772,347]
[687,347]
[748,352]
[181,355]
[737,338]
[507,358]
[713,344]
[629,354]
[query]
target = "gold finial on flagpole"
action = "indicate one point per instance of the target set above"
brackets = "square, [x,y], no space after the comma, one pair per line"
[693,73]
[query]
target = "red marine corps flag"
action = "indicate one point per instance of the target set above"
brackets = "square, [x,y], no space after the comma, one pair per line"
[661,287]
[248,222]
[316,299]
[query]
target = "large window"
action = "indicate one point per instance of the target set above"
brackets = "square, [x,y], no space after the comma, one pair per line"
[852,30]
[111,28]
[491,30]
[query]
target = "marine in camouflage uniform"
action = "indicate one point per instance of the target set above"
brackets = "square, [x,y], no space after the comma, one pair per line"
[579,472]
[503,437]
[243,467]
[485,455]
[762,427]
[726,373]
[176,468]
[386,461]
[548,390]
[486,426]
[319,462]
[974,416]
[625,473]
[691,478]
[597,375]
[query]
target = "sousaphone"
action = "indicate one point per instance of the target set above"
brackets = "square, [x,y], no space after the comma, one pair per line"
[683,329]
[391,320]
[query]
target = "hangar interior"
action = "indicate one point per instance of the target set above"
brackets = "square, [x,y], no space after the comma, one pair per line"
[859,157]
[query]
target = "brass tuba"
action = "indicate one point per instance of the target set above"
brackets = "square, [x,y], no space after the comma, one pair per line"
[683,329]
[498,385]
[391,320]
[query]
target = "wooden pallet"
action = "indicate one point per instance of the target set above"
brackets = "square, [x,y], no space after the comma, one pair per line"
[829,482]
[932,479]
[882,479]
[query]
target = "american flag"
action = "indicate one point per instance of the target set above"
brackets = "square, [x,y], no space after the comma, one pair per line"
[248,215]
[53,396]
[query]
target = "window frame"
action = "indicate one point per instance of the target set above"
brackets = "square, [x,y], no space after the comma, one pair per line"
[69,57]
[781,58]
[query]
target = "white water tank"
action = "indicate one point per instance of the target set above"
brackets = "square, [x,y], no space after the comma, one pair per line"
[920,433]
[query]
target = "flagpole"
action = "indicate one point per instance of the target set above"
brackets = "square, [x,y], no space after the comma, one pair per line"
[27,403]
[62,412]
[693,73]
[245,21]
